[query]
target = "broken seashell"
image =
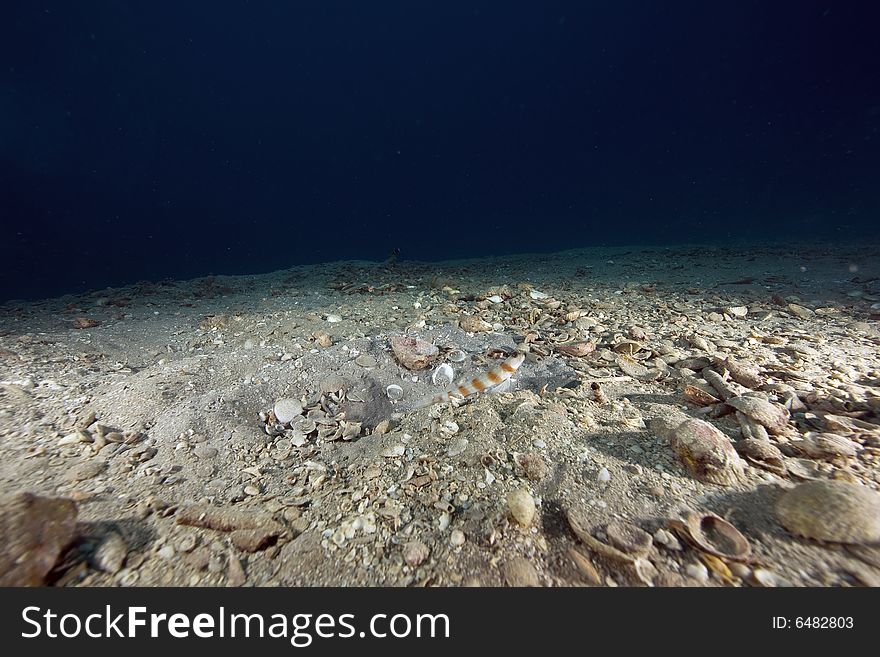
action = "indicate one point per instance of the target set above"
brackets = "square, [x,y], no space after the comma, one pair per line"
[473,324]
[802,469]
[825,446]
[456,356]
[577,349]
[763,454]
[712,534]
[443,375]
[739,372]
[698,396]
[629,538]
[773,416]
[394,392]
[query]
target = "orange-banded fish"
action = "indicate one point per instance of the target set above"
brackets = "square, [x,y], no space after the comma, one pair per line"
[494,377]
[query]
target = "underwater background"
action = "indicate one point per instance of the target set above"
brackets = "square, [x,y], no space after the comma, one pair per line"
[144,141]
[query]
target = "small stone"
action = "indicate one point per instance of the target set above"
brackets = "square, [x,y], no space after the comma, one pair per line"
[333,383]
[86,470]
[604,476]
[287,409]
[187,543]
[413,353]
[538,443]
[521,506]
[698,571]
[394,451]
[764,577]
[251,490]
[667,540]
[204,451]
[322,339]
[457,538]
[111,554]
[534,467]
[457,446]
[88,419]
[365,360]
[415,553]
[519,571]
[33,532]
[800,311]
[739,569]
[166,552]
[628,538]
[251,540]
[235,575]
[334,319]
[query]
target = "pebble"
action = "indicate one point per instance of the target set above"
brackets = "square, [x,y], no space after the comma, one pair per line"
[698,571]
[457,538]
[86,470]
[521,506]
[394,451]
[333,383]
[628,538]
[111,554]
[765,577]
[666,539]
[251,490]
[739,569]
[205,451]
[365,360]
[540,444]
[187,543]
[33,533]
[457,446]
[334,319]
[604,476]
[415,553]
[287,409]
[519,571]
[166,552]
[534,467]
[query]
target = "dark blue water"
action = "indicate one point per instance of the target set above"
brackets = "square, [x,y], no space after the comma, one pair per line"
[146,140]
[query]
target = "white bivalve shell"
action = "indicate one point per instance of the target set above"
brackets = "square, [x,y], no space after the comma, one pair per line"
[443,375]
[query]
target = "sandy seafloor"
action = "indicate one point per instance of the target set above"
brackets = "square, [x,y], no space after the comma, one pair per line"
[155,420]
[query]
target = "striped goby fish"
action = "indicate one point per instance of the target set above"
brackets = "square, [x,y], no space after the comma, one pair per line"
[496,376]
